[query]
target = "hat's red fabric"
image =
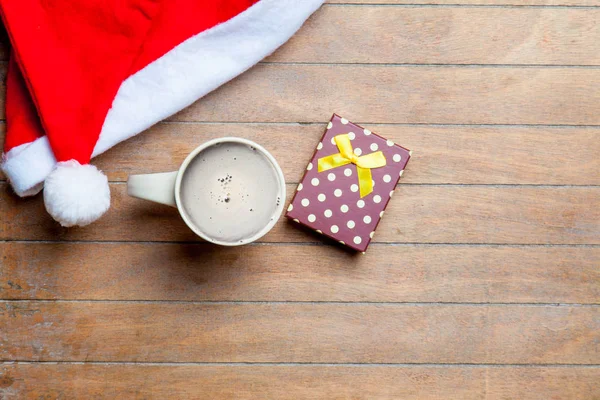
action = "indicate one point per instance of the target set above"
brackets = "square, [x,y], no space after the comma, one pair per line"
[87,74]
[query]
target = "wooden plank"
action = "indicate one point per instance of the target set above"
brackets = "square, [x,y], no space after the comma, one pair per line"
[442,154]
[56,381]
[402,94]
[416,214]
[200,272]
[4,45]
[447,35]
[443,35]
[288,332]
[3,71]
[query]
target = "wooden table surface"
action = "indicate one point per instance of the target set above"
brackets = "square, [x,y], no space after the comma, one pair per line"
[484,278]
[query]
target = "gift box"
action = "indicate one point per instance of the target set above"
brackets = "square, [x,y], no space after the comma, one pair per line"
[348,183]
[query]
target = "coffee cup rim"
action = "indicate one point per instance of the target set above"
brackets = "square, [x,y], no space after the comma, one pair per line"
[230,139]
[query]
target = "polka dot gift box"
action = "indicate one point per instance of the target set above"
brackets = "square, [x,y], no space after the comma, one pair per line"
[348,183]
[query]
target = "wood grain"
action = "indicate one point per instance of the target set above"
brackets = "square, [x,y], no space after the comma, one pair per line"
[416,214]
[291,318]
[288,332]
[201,272]
[447,35]
[442,154]
[401,94]
[443,35]
[51,381]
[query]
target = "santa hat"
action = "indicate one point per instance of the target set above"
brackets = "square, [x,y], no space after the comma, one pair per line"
[85,75]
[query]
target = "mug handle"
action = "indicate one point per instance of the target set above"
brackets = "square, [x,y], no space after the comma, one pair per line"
[159,188]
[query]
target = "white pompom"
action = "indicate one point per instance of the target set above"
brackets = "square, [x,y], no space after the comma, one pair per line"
[76,194]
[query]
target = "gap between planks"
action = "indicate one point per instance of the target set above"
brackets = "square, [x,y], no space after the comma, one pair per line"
[293,364]
[324,302]
[492,185]
[416,65]
[315,243]
[359,122]
[488,185]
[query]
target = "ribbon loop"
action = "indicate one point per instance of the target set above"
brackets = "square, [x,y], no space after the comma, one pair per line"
[363,164]
[373,160]
[332,161]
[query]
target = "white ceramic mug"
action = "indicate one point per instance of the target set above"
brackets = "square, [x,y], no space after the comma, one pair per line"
[165,188]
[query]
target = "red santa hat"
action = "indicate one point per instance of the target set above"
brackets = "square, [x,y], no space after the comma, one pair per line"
[85,75]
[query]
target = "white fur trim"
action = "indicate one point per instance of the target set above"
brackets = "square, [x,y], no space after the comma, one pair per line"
[26,166]
[199,65]
[76,194]
[183,75]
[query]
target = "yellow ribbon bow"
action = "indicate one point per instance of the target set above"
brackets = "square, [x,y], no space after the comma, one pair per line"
[347,156]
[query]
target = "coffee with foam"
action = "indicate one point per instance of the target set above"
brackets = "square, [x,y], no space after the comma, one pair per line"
[231,191]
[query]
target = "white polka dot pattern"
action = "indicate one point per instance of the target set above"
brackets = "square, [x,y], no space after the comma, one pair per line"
[330,201]
[344,121]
